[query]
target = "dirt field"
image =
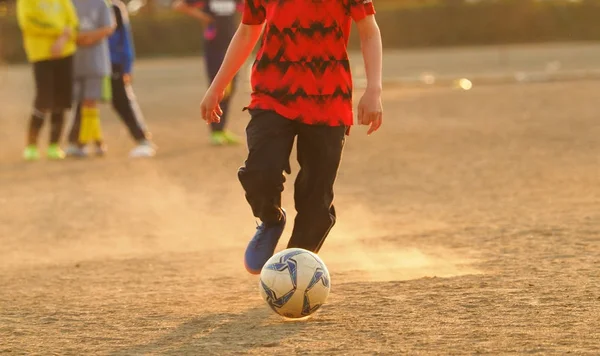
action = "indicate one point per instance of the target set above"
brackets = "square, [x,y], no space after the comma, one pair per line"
[469,224]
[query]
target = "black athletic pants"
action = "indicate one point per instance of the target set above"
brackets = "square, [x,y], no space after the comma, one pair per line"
[270,139]
[126,106]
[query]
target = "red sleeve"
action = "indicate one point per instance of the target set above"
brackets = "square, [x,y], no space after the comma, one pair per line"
[359,9]
[254,13]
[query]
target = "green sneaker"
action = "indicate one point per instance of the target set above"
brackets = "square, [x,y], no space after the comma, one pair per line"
[217,138]
[31,153]
[55,152]
[230,138]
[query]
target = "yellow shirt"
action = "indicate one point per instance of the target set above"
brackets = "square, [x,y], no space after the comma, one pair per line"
[42,22]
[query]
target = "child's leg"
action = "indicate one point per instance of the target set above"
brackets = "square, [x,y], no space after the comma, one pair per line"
[125,104]
[44,87]
[90,117]
[56,125]
[63,97]
[270,140]
[319,155]
[75,129]
[36,122]
[91,130]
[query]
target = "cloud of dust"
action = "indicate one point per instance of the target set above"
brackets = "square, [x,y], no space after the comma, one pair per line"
[177,218]
[357,251]
[144,214]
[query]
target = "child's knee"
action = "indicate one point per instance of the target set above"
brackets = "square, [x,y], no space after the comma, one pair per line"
[90,104]
[261,178]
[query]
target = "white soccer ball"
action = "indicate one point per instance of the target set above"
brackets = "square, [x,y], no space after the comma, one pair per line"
[294,283]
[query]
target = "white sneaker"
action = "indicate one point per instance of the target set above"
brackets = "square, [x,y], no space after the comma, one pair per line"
[76,151]
[144,149]
[101,150]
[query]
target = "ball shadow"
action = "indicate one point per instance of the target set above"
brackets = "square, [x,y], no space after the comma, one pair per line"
[258,327]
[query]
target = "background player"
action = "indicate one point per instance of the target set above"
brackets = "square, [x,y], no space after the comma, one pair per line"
[92,67]
[122,55]
[220,20]
[49,39]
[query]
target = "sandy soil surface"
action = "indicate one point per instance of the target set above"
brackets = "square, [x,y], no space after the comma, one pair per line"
[469,224]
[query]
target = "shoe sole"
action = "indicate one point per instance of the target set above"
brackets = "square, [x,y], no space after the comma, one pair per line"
[252,271]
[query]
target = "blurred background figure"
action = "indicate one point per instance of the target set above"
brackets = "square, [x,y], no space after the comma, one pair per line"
[122,55]
[220,21]
[48,28]
[92,67]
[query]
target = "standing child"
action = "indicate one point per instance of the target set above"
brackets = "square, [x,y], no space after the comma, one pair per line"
[92,67]
[122,55]
[48,28]
[220,20]
[301,87]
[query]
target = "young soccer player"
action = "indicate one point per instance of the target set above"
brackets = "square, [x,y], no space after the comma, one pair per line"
[220,20]
[48,28]
[301,88]
[122,55]
[92,66]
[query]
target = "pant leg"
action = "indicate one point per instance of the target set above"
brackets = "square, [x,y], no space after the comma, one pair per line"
[125,104]
[214,56]
[63,86]
[319,155]
[62,96]
[43,79]
[43,75]
[270,139]
[73,136]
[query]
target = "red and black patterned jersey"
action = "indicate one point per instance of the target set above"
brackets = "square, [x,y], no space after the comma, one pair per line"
[302,69]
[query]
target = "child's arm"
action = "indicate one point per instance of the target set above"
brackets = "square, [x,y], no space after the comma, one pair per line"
[105,28]
[129,51]
[124,39]
[193,8]
[239,50]
[370,110]
[370,41]
[89,38]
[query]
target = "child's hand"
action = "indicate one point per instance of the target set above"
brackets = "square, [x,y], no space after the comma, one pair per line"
[370,110]
[67,32]
[57,48]
[210,108]
[127,78]
[83,40]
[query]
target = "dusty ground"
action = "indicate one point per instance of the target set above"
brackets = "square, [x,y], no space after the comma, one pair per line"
[469,224]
